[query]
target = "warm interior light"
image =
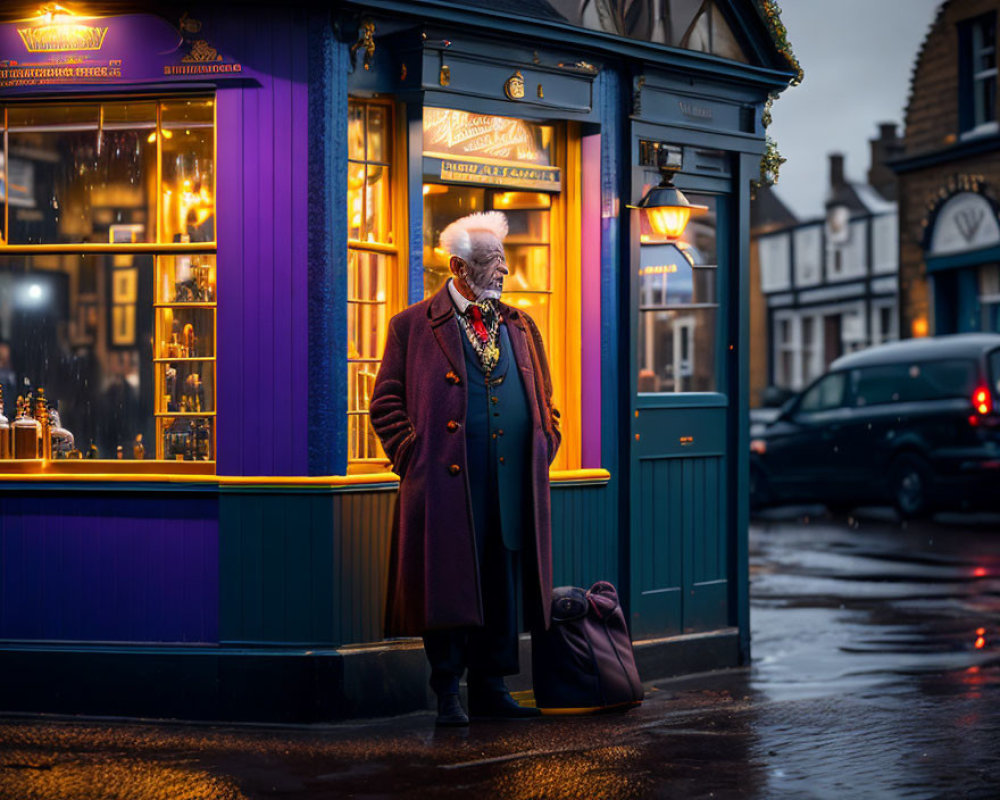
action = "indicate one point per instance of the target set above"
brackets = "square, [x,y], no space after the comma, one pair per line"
[919,327]
[668,221]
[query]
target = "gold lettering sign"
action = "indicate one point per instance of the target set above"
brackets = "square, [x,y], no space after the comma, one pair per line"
[62,38]
[498,174]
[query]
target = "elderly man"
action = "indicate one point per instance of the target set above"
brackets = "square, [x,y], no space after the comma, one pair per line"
[463,406]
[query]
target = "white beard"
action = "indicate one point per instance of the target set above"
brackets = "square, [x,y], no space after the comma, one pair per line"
[480,292]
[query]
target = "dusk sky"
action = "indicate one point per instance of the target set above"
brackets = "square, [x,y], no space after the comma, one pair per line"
[858,56]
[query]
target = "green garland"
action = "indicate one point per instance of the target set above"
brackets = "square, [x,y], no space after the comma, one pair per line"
[771,160]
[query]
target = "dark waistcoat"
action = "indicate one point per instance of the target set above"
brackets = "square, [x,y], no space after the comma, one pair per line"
[498,446]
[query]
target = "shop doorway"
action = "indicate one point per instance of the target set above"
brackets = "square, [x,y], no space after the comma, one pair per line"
[679,498]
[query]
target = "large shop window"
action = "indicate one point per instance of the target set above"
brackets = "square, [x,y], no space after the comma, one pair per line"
[678,306]
[108,286]
[479,162]
[374,292]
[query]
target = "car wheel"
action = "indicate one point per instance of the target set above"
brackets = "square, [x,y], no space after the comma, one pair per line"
[760,489]
[910,483]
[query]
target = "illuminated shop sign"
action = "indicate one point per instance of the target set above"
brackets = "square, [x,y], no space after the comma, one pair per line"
[496,174]
[62,38]
[59,49]
[461,147]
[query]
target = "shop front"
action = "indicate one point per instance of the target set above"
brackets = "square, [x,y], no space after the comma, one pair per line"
[208,220]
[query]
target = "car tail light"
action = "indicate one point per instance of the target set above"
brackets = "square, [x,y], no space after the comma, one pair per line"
[982,401]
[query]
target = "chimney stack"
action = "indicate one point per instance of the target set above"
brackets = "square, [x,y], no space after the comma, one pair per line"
[885,148]
[836,171]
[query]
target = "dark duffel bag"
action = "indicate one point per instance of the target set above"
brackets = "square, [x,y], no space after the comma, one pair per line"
[584,662]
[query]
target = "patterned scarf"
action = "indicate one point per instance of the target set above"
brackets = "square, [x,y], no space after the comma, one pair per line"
[481,323]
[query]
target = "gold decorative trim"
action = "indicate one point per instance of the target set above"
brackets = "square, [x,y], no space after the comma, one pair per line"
[514,86]
[594,476]
[365,42]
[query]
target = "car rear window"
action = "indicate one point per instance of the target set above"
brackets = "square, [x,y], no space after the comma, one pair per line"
[914,381]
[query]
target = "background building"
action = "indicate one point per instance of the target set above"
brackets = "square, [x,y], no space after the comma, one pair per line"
[829,284]
[949,175]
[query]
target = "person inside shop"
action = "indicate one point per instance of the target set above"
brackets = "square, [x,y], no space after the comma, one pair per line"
[463,407]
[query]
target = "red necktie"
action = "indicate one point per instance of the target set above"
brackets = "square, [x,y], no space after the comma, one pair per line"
[477,324]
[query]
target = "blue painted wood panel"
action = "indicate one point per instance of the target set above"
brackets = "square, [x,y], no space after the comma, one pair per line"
[109,568]
[679,561]
[311,568]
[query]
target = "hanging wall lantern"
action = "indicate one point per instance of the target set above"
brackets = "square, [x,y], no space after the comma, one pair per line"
[666,207]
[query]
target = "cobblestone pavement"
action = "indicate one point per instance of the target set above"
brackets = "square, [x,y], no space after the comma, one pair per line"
[876,674]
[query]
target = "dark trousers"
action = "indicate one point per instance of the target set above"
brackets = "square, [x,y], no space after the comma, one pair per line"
[489,652]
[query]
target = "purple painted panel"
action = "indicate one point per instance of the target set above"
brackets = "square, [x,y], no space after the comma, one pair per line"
[590,403]
[263,312]
[109,568]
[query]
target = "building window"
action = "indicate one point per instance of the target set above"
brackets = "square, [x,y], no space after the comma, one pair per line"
[373,260]
[678,306]
[786,348]
[989,297]
[108,284]
[978,76]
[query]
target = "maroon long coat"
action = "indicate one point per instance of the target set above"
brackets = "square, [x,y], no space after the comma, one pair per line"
[418,411]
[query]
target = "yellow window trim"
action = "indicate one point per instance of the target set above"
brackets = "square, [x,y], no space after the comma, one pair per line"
[572,476]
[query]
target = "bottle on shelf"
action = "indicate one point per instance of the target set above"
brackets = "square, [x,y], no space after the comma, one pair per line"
[6,445]
[27,431]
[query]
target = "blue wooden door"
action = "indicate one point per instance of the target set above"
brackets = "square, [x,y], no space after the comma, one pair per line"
[679,505]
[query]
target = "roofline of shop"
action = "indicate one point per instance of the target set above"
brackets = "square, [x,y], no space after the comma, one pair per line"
[966,149]
[608,45]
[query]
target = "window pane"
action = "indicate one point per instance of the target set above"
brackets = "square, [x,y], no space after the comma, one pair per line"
[82,173]
[188,147]
[825,395]
[188,438]
[185,333]
[677,350]
[188,387]
[378,132]
[355,200]
[187,278]
[536,306]
[81,327]
[378,208]
[356,131]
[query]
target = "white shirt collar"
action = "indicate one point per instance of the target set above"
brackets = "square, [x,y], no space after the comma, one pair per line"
[461,302]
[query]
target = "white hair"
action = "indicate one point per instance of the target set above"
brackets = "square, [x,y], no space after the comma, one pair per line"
[455,239]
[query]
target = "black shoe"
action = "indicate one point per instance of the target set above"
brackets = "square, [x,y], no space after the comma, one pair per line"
[498,705]
[450,712]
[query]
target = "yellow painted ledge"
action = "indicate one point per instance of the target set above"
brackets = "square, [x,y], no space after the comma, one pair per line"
[54,474]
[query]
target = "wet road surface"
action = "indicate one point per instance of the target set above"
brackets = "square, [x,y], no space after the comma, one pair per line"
[876,674]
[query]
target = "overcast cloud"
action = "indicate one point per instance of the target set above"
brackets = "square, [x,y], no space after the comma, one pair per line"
[858,56]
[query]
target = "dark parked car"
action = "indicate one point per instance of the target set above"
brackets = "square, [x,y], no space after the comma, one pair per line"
[915,423]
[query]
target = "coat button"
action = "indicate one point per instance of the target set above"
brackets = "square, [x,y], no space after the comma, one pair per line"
[452,426]
[501,459]
[453,379]
[500,432]
[494,400]
[454,469]
[494,436]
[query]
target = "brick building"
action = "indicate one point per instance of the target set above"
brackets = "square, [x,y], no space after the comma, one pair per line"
[949,177]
